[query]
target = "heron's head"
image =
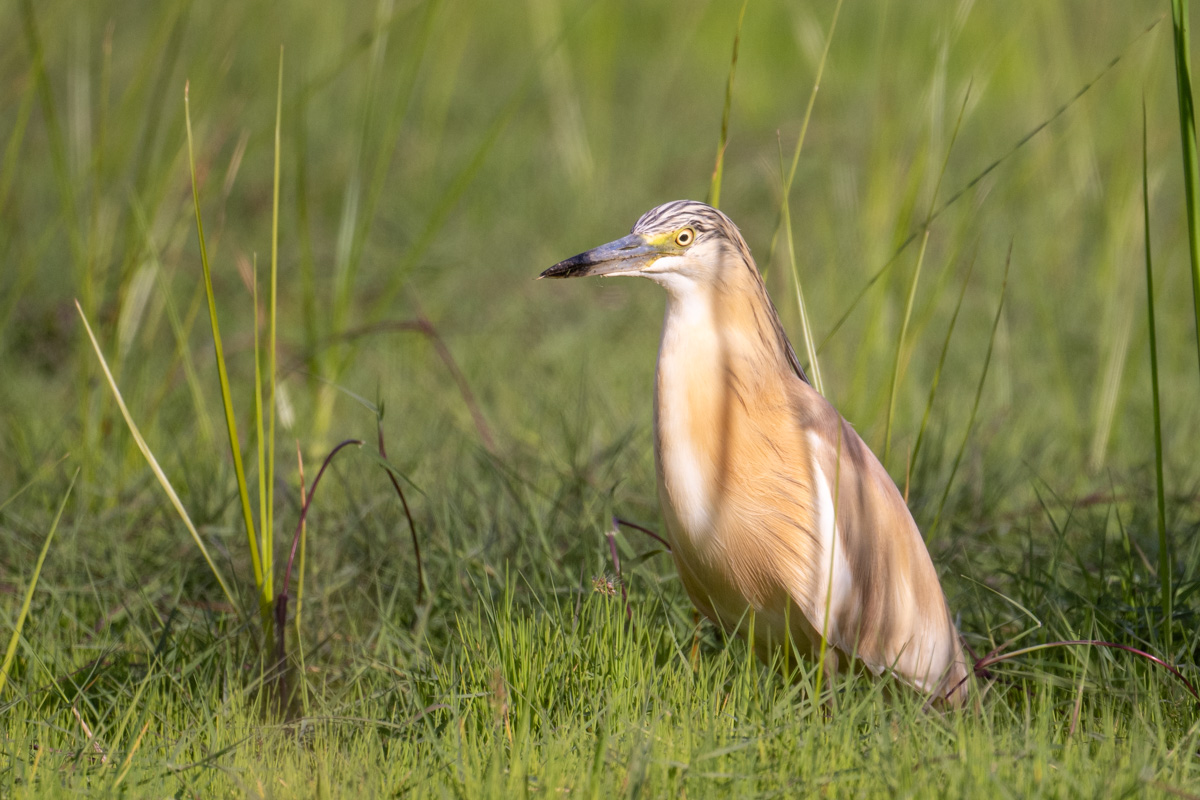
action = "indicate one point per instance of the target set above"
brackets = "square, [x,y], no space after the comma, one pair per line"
[678,241]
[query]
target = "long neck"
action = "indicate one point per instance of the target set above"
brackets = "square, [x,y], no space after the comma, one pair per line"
[720,356]
[713,328]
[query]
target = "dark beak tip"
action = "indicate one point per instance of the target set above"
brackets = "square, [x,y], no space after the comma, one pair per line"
[570,268]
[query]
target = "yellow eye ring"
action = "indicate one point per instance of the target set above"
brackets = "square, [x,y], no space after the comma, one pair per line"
[685,237]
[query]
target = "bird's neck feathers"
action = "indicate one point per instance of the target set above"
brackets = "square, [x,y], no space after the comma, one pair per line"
[727,323]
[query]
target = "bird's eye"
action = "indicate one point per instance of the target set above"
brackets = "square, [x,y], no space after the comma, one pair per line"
[685,237]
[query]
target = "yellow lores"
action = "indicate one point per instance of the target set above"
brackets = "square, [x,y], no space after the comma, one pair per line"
[772,503]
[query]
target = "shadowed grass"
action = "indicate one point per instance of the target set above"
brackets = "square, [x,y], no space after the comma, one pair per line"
[152,461]
[15,639]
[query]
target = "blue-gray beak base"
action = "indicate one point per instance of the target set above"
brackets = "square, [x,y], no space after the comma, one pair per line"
[624,255]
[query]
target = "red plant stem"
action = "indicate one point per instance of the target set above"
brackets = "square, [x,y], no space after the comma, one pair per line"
[412,526]
[996,658]
[612,549]
[617,521]
[287,575]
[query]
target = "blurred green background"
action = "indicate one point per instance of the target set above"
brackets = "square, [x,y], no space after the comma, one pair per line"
[446,153]
[436,156]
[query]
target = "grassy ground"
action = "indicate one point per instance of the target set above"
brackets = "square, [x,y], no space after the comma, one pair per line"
[435,157]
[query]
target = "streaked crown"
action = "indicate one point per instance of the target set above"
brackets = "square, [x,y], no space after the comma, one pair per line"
[709,224]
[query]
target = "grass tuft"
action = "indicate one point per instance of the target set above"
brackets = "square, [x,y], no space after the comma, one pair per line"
[23,614]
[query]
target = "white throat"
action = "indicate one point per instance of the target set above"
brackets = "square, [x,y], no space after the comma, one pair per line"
[687,359]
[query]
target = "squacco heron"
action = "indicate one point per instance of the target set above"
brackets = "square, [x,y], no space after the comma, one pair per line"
[772,503]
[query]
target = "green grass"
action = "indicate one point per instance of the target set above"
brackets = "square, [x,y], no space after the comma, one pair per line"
[417,165]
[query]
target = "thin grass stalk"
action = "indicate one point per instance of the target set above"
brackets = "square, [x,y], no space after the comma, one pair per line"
[129,757]
[15,139]
[912,289]
[154,467]
[1165,572]
[269,526]
[259,434]
[958,195]
[178,328]
[808,109]
[300,566]
[1187,135]
[119,734]
[23,614]
[36,476]
[813,366]
[264,600]
[281,601]
[937,373]
[987,360]
[303,539]
[908,306]
[714,189]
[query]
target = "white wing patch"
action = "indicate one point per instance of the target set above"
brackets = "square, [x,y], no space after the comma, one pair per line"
[834,581]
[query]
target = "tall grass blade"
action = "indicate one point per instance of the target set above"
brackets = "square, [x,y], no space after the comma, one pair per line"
[714,189]
[987,360]
[269,526]
[1165,573]
[154,467]
[1187,135]
[37,476]
[814,368]
[264,600]
[812,100]
[11,652]
[908,306]
[958,195]
[912,289]
[259,433]
[937,373]
[8,168]
[785,214]
[179,329]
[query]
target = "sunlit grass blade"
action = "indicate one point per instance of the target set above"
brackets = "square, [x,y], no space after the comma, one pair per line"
[1165,572]
[303,540]
[937,373]
[808,109]
[119,734]
[154,467]
[178,328]
[11,652]
[987,360]
[975,181]
[908,306]
[714,189]
[814,368]
[300,579]
[912,289]
[268,533]
[264,600]
[260,436]
[1187,135]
